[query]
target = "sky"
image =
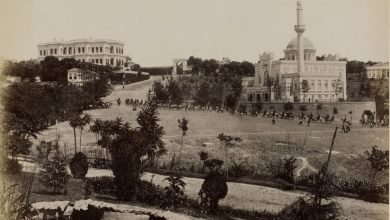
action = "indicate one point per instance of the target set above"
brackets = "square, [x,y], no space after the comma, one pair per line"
[157,31]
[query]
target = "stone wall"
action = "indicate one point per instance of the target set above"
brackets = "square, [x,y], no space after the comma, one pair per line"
[343,108]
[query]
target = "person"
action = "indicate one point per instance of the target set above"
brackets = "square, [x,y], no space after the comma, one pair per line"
[308,122]
[273,120]
[300,121]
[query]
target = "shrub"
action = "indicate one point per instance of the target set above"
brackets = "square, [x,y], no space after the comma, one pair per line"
[11,166]
[335,111]
[174,193]
[54,174]
[101,163]
[303,108]
[240,169]
[79,165]
[302,209]
[213,189]
[102,185]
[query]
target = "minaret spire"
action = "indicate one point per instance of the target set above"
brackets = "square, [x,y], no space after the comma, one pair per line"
[300,28]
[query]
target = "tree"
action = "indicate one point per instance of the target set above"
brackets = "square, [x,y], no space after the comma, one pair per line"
[303,108]
[203,156]
[305,88]
[277,89]
[18,145]
[79,165]
[174,192]
[54,174]
[75,122]
[338,87]
[230,103]
[175,93]
[183,125]
[202,95]
[228,141]
[379,161]
[161,94]
[51,70]
[86,119]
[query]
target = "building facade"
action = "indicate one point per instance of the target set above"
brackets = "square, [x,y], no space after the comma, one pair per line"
[97,51]
[78,77]
[298,76]
[378,71]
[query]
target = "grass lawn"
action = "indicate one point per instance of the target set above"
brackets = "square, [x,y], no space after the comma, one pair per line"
[262,141]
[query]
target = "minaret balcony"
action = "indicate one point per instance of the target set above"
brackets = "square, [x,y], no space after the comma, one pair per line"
[299,28]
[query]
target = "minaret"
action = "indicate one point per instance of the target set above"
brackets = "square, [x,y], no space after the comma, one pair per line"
[300,28]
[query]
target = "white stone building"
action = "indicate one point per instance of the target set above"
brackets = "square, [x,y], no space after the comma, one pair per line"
[378,71]
[78,77]
[97,51]
[281,80]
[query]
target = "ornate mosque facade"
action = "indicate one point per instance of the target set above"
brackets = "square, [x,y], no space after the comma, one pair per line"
[298,77]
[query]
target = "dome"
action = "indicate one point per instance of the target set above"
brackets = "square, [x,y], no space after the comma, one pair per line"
[307,44]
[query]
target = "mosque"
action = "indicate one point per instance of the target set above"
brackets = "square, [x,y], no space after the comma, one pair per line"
[298,77]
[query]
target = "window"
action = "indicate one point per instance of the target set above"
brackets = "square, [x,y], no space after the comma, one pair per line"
[250,98]
[83,60]
[326,85]
[319,85]
[93,50]
[101,49]
[79,49]
[83,49]
[97,60]
[101,61]
[97,50]
[64,50]
[51,51]
[40,52]
[55,51]
[70,50]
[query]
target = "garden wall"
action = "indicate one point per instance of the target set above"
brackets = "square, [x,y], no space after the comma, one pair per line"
[343,108]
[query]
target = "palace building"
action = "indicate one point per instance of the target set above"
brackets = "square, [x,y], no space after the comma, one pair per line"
[97,51]
[298,76]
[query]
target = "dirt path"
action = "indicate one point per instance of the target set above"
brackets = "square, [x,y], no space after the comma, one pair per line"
[254,197]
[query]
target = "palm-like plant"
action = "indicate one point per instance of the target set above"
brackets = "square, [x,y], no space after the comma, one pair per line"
[174,192]
[228,141]
[86,119]
[203,156]
[183,125]
[74,123]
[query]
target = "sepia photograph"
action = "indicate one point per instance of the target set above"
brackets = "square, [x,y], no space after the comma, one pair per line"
[191,110]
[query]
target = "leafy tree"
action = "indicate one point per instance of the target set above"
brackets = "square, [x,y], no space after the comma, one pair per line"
[379,160]
[174,192]
[18,145]
[161,95]
[203,156]
[202,95]
[230,103]
[183,125]
[51,70]
[175,93]
[228,141]
[216,94]
[277,88]
[79,165]
[54,174]
[213,189]
[338,87]
[135,67]
[305,88]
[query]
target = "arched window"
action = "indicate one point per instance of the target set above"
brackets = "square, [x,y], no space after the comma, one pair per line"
[112,51]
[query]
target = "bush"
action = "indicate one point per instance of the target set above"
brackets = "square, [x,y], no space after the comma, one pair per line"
[302,209]
[11,166]
[54,174]
[240,170]
[79,165]
[213,189]
[101,163]
[102,185]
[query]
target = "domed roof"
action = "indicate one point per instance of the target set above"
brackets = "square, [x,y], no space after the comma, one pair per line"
[307,44]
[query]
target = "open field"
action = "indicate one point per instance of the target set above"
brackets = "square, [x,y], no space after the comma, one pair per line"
[262,141]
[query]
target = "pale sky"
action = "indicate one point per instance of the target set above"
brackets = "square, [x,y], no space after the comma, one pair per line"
[157,31]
